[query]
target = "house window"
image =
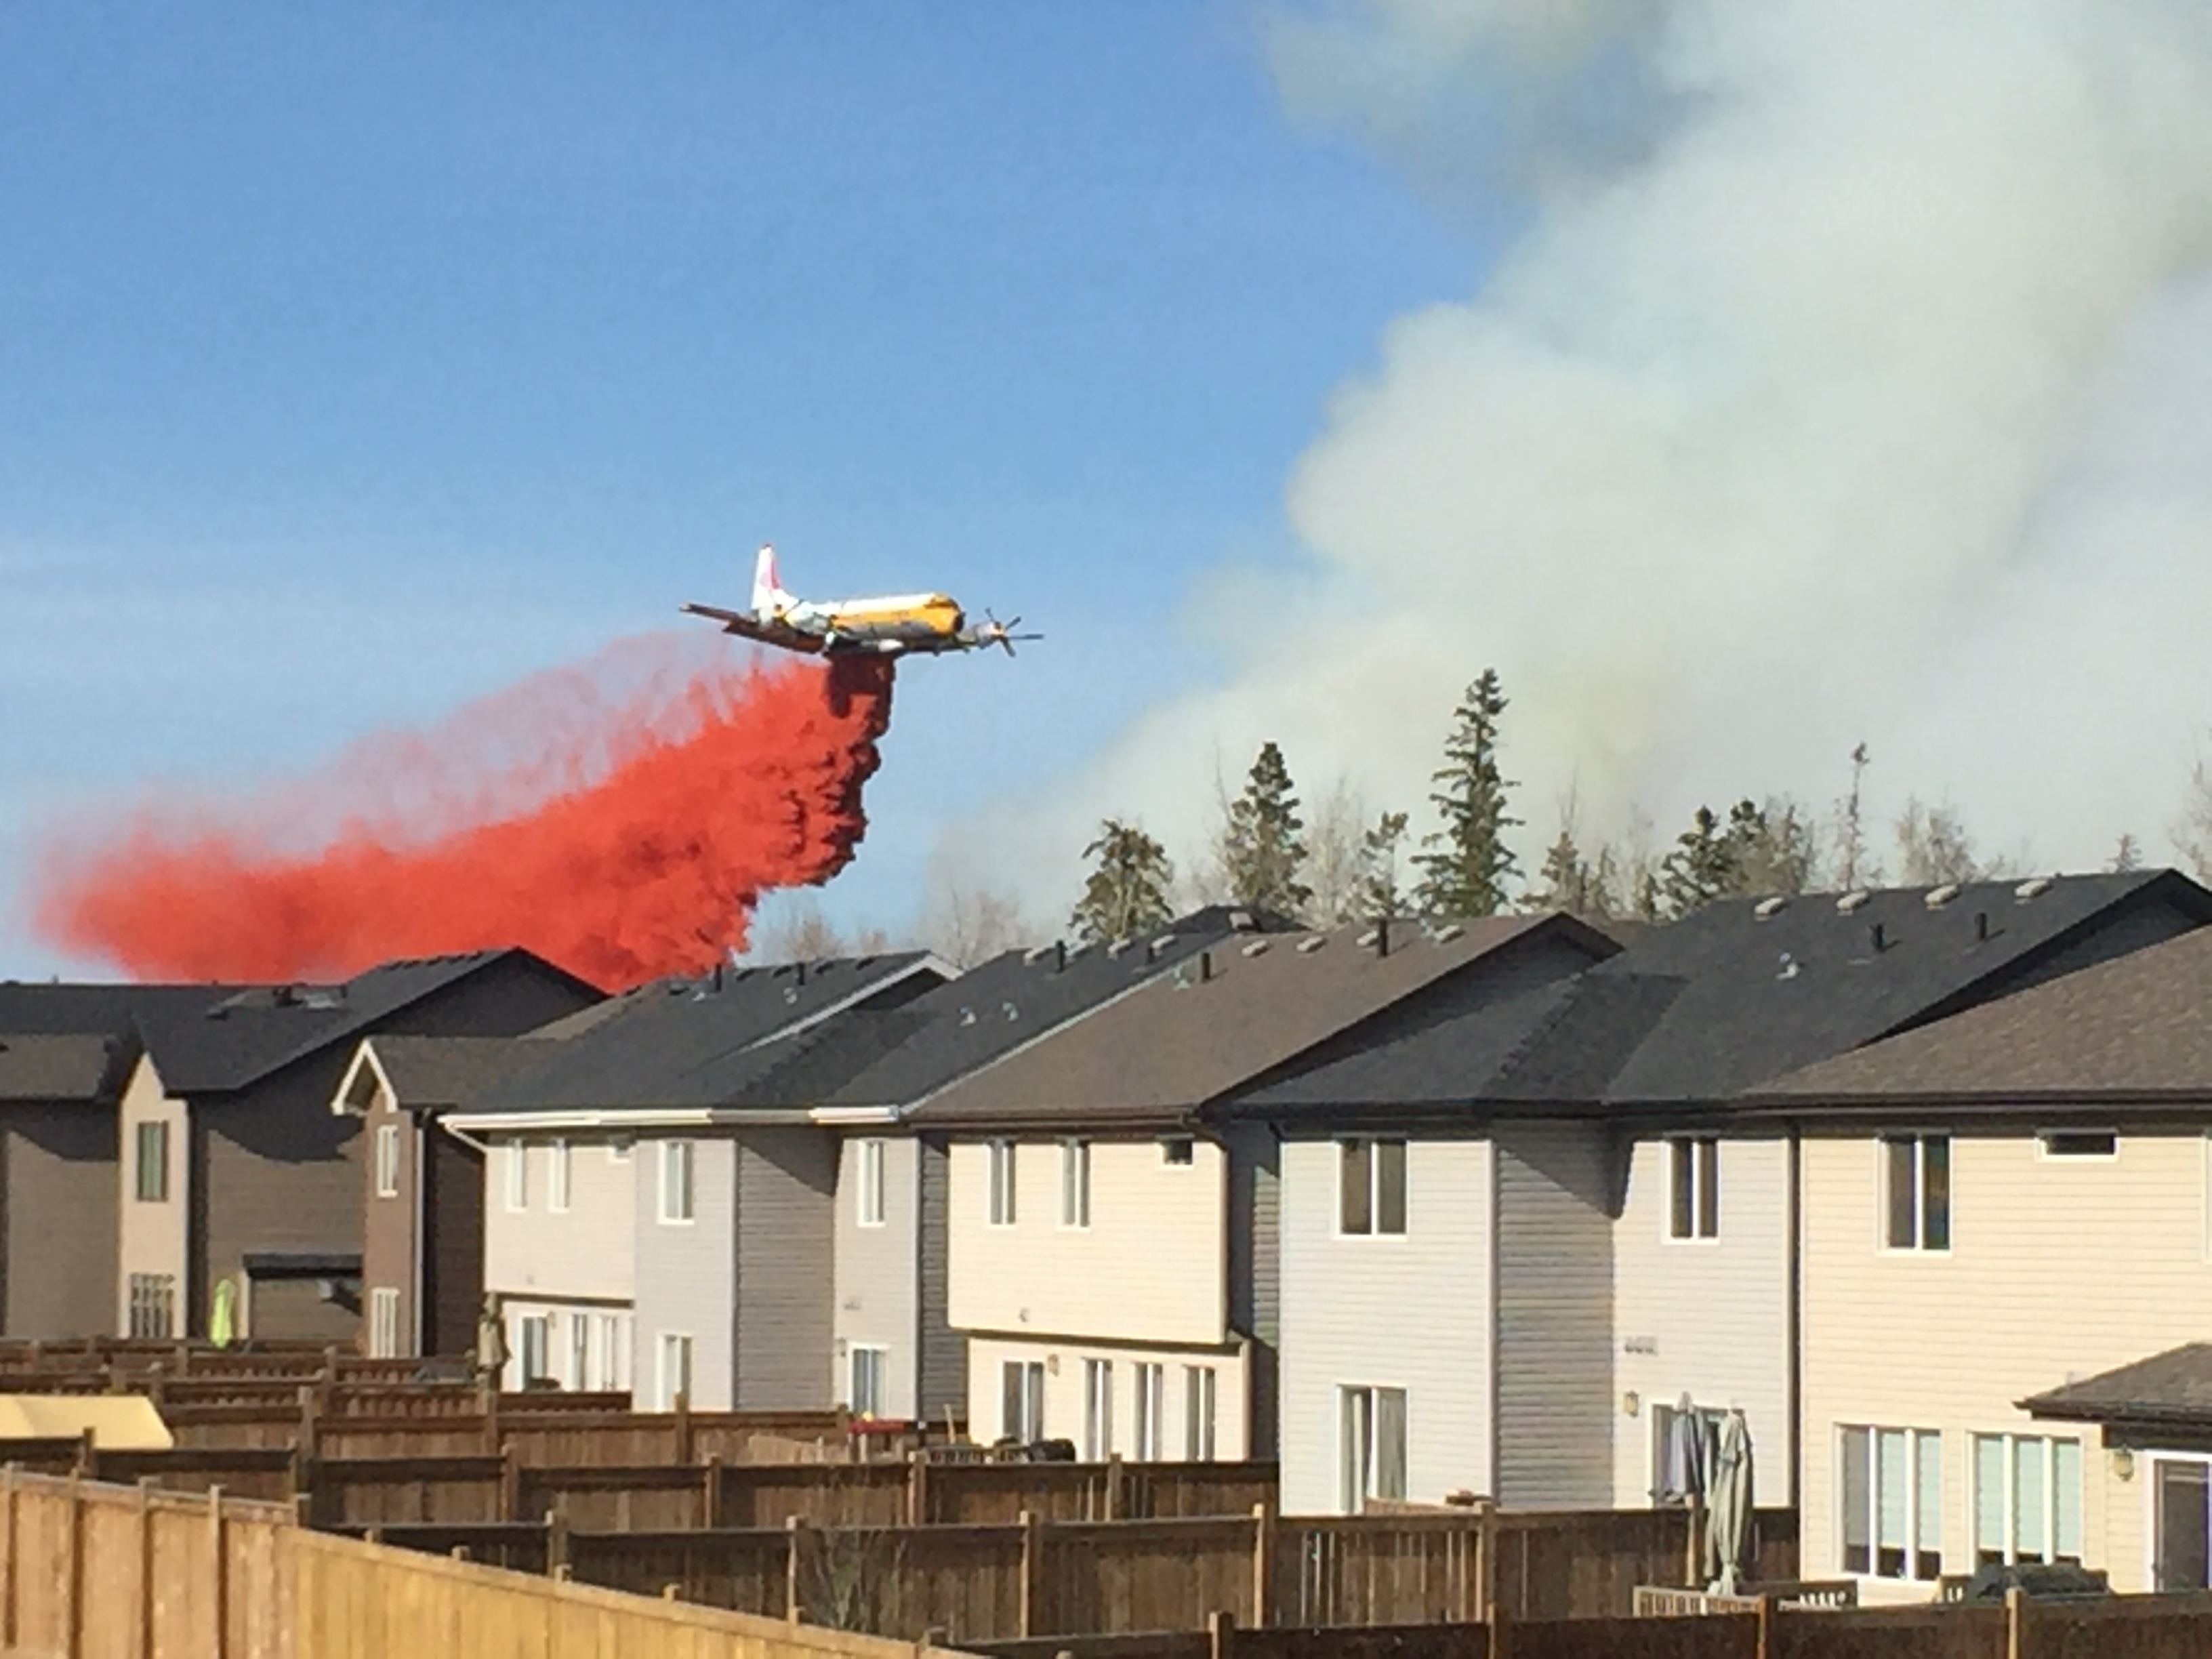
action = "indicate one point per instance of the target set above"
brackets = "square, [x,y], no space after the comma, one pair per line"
[1694,1210]
[1371,1429]
[868,1367]
[609,1374]
[580,1351]
[1198,1413]
[518,1174]
[153,1162]
[534,1353]
[2027,1499]
[1075,1183]
[871,1214]
[1152,1406]
[1893,1502]
[2079,1143]
[556,1176]
[2182,1525]
[674,1381]
[383,1323]
[1021,1400]
[153,1304]
[1178,1149]
[1372,1196]
[1097,1410]
[1916,1199]
[675,1182]
[1002,1183]
[387,1160]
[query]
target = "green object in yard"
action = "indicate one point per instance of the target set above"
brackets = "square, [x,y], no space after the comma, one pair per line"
[221,1319]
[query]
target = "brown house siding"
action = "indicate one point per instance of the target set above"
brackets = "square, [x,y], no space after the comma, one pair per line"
[58,1169]
[452,1255]
[387,1248]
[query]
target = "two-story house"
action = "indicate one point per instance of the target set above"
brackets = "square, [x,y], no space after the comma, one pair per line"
[58,1183]
[1994,1210]
[1114,1249]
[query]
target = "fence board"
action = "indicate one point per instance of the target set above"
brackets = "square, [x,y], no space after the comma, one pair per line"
[1143,1575]
[1890,1633]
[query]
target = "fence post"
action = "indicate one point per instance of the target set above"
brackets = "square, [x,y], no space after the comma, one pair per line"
[682,1427]
[73,1635]
[1765,1612]
[2015,1612]
[1485,1562]
[713,1506]
[1501,1640]
[557,1543]
[9,1565]
[510,1485]
[494,1443]
[1263,1562]
[1032,1569]
[218,1574]
[791,1608]
[146,1565]
[309,1444]
[917,1489]
[1115,1496]
[1220,1634]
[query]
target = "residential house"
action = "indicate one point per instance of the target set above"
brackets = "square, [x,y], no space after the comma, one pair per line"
[616,1176]
[58,1183]
[1994,1208]
[1113,1259]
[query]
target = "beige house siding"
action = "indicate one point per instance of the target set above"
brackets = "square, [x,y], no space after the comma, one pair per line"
[2057,1269]
[878,1278]
[1709,1318]
[1151,1267]
[1415,1312]
[1064,1374]
[589,1250]
[152,1237]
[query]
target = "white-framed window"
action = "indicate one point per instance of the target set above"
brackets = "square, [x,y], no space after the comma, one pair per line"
[870,1156]
[1198,1386]
[608,1373]
[387,1160]
[153,1161]
[556,1176]
[1075,1183]
[1371,1195]
[1002,1183]
[675,1160]
[516,1156]
[383,1322]
[1179,1151]
[2181,1523]
[1152,1411]
[579,1352]
[870,1368]
[534,1352]
[153,1304]
[1693,1198]
[1891,1494]
[2075,1145]
[1021,1400]
[1371,1442]
[2027,1499]
[1097,1410]
[672,1376]
[1915,1192]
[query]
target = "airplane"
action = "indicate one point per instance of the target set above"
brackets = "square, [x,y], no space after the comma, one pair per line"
[887,627]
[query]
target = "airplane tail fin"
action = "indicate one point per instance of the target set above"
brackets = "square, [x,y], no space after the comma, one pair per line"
[769,597]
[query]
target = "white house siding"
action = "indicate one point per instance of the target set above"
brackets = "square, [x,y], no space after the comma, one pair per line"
[587,1251]
[153,1237]
[609,1356]
[786,1180]
[878,1283]
[687,1274]
[1063,1362]
[1413,1312]
[1709,1318]
[2057,1269]
[1151,1267]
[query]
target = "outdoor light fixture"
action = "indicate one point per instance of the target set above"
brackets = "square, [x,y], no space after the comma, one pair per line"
[2124,1463]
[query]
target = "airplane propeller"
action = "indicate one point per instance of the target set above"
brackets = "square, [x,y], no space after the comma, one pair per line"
[1002,633]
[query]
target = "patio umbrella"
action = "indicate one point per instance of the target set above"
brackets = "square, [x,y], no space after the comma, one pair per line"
[1728,1524]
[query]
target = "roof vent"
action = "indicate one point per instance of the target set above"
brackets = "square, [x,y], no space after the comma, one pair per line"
[1241,920]
[1789,968]
[1448,933]
[1165,942]
[2034,887]
[1258,947]
[1010,1011]
[1030,958]
[1369,939]
[1768,906]
[967,1016]
[1981,928]
[1937,897]
[1853,900]
[1308,946]
[1116,949]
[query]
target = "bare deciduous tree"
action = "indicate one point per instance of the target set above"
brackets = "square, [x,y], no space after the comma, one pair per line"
[1333,855]
[967,925]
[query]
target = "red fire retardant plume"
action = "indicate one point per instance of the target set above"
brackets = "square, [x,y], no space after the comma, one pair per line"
[622,837]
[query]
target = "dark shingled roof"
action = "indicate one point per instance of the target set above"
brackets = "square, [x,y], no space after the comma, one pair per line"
[447,1072]
[1762,998]
[86,1069]
[1178,1044]
[2138,1028]
[2174,1387]
[690,1041]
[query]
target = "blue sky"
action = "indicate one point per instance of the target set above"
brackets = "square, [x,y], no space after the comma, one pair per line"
[354,362]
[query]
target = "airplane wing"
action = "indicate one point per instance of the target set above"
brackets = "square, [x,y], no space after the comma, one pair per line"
[739,622]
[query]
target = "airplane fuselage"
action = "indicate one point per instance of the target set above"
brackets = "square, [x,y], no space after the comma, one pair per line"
[890,625]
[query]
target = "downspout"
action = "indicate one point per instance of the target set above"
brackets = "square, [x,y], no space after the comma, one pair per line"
[1797,1329]
[420,1154]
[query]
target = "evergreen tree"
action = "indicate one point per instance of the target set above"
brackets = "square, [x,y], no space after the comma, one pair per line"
[1704,865]
[1261,844]
[1126,893]
[1780,849]
[1466,865]
[1569,882]
[1379,898]
[2127,856]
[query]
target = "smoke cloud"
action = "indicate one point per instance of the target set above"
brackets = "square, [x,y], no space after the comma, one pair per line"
[1850,380]
[621,817]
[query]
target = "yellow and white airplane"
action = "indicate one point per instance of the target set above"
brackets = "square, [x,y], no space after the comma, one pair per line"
[888,627]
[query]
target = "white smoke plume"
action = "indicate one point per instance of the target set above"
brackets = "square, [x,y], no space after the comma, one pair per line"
[1852,380]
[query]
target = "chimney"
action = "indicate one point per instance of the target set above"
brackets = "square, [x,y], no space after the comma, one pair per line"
[1981,928]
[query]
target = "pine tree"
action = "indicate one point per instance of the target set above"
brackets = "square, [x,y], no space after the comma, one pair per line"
[1779,849]
[1261,844]
[1126,893]
[1853,868]
[2127,857]
[1569,882]
[1703,867]
[1379,898]
[1466,865]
